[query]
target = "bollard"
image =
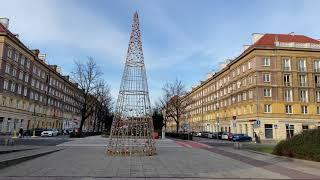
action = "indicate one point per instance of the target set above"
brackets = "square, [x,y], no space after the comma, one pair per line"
[34,134]
[237,145]
[14,134]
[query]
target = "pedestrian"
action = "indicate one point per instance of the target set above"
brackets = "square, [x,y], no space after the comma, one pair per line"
[20,132]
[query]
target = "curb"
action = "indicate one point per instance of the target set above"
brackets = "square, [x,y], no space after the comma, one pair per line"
[313,163]
[14,150]
[11,162]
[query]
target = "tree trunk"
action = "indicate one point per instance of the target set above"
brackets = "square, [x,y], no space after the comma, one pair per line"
[177,126]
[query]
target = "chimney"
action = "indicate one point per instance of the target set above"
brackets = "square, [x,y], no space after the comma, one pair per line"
[36,52]
[54,67]
[42,57]
[256,37]
[292,33]
[5,22]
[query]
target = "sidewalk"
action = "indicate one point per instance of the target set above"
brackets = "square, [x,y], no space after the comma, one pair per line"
[86,158]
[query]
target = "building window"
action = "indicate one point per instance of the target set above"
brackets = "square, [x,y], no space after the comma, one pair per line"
[304,109]
[266,61]
[33,82]
[287,79]
[266,77]
[7,68]
[34,69]
[238,71]
[5,84]
[318,110]
[305,127]
[317,66]
[26,78]
[268,131]
[288,109]
[250,80]
[250,94]
[317,80]
[318,96]
[14,72]
[286,64]
[25,91]
[304,95]
[22,60]
[267,93]
[28,63]
[31,95]
[288,95]
[13,86]
[20,75]
[303,80]
[302,67]
[9,53]
[249,65]
[267,108]
[289,130]
[16,57]
[19,89]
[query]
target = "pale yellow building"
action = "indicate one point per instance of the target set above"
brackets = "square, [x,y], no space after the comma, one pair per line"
[271,89]
[33,94]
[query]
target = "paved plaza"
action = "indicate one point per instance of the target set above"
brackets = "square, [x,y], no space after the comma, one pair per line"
[85,159]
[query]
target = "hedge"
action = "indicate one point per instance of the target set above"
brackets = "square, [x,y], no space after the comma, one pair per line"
[303,146]
[184,136]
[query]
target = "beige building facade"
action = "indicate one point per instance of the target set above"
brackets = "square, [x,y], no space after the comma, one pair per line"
[33,94]
[272,89]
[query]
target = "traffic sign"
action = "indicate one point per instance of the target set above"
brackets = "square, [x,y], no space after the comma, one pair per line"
[258,122]
[275,126]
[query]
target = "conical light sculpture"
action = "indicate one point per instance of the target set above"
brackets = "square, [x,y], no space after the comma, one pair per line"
[132,127]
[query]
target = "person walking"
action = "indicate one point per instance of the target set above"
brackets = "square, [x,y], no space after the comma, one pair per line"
[20,132]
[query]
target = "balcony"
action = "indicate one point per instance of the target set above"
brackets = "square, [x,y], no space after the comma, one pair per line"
[287,68]
[287,84]
[303,84]
[302,69]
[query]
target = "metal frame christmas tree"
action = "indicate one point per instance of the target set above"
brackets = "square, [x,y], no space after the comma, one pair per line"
[132,128]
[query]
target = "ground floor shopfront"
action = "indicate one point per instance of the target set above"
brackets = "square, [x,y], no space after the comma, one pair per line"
[272,129]
[12,120]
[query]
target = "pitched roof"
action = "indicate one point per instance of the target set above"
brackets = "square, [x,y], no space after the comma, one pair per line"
[270,39]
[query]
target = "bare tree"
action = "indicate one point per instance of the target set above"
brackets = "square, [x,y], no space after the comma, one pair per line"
[103,107]
[88,75]
[173,104]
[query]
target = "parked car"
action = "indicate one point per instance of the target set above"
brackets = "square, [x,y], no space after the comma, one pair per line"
[197,134]
[225,136]
[204,134]
[219,135]
[49,132]
[210,135]
[37,131]
[27,133]
[230,136]
[241,137]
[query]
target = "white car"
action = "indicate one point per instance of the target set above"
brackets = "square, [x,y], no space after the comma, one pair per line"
[49,132]
[224,136]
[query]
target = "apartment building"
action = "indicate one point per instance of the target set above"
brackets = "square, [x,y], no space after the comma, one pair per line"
[33,94]
[271,89]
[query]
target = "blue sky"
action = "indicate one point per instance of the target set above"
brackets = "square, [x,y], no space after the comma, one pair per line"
[184,39]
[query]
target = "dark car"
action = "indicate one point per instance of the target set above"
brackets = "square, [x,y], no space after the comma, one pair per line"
[204,134]
[27,133]
[38,131]
[241,137]
[219,135]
